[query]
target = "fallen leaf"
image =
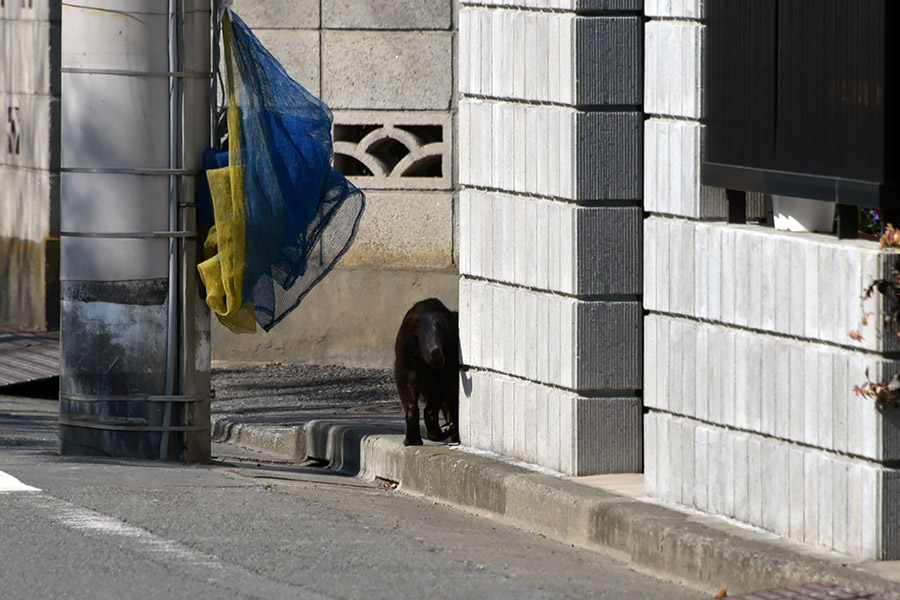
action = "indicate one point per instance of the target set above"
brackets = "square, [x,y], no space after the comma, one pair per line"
[723,593]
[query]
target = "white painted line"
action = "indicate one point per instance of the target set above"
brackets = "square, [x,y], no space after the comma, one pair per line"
[8,483]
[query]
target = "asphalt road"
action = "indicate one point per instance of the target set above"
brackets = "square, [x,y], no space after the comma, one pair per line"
[245,528]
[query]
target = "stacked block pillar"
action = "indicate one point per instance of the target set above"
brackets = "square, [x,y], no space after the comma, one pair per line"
[749,368]
[550,225]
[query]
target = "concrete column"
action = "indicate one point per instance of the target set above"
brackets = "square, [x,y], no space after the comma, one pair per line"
[29,162]
[134,378]
[551,135]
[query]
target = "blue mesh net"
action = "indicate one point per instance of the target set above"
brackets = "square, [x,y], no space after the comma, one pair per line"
[299,214]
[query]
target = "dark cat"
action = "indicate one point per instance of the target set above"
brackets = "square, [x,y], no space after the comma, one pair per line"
[427,370]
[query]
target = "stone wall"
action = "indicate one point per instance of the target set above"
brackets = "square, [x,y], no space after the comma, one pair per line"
[748,365]
[550,231]
[387,70]
[29,163]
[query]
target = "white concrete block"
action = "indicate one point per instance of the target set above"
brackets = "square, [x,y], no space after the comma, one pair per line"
[825,509]
[767,385]
[555,312]
[521,427]
[810,395]
[754,383]
[567,447]
[542,246]
[855,505]
[686,459]
[674,472]
[714,274]
[744,372]
[825,400]
[729,287]
[663,350]
[740,283]
[717,376]
[755,479]
[812,314]
[531,424]
[825,301]
[725,458]
[508,441]
[780,271]
[486,227]
[782,389]
[688,391]
[542,426]
[872,531]
[840,473]
[531,335]
[701,264]
[650,276]
[556,400]
[674,367]
[754,280]
[673,75]
[494,434]
[774,480]
[702,362]
[716,474]
[797,383]
[520,44]
[567,360]
[568,248]
[842,396]
[487,58]
[811,502]
[795,507]
[555,266]
[768,271]
[651,465]
[466,385]
[663,460]
[544,335]
[741,478]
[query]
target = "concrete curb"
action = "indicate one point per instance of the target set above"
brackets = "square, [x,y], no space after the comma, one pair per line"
[648,536]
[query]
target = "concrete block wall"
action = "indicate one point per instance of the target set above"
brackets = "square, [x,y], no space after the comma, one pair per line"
[387,69]
[29,164]
[749,368]
[550,227]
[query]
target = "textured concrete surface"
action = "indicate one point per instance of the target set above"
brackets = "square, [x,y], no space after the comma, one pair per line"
[374,70]
[329,415]
[404,230]
[351,317]
[387,14]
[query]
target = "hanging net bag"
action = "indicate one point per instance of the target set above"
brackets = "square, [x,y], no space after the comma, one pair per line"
[282,216]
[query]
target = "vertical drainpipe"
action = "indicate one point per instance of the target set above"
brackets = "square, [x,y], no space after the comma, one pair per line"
[134,372]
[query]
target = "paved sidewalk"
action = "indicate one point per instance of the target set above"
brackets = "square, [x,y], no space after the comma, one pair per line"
[352,420]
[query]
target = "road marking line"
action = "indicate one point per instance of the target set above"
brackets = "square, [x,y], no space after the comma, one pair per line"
[8,483]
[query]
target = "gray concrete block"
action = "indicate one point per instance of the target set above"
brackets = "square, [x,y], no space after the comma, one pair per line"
[278,14]
[608,435]
[608,343]
[387,14]
[298,53]
[609,154]
[608,61]
[387,70]
[404,230]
